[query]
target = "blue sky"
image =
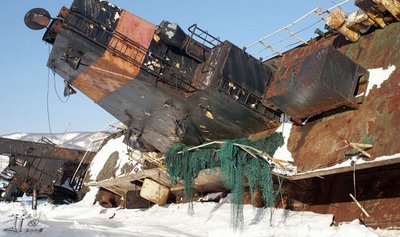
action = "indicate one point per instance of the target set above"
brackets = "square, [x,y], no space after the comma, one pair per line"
[24,75]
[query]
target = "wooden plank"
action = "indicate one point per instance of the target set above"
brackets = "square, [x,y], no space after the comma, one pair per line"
[207,180]
[153,173]
[359,205]
[115,190]
[125,185]
[154,192]
[355,146]
[361,145]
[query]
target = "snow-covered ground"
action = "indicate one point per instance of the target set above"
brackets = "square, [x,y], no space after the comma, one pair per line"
[209,219]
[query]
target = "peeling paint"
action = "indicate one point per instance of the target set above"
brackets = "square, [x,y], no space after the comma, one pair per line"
[209,115]
[213,63]
[117,16]
[173,26]
[170,34]
[377,76]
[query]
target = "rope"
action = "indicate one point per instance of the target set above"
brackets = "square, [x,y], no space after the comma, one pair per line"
[354,180]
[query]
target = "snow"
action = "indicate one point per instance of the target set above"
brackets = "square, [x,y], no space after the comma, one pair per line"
[356,160]
[211,197]
[114,145]
[117,16]
[3,162]
[353,229]
[377,76]
[73,140]
[209,219]
[282,153]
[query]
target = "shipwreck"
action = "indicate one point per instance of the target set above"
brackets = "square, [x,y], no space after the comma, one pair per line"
[167,86]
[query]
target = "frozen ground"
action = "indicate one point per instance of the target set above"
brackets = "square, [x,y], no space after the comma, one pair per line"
[209,219]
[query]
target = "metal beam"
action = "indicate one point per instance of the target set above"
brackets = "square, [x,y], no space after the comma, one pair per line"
[40,150]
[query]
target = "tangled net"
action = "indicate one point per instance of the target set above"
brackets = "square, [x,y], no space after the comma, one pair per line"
[238,162]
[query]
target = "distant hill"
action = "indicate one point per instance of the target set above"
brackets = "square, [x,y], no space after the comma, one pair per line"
[73,140]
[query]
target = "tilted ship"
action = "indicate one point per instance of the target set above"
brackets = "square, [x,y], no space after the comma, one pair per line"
[167,86]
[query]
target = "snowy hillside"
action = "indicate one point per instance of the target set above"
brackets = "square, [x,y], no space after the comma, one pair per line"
[74,140]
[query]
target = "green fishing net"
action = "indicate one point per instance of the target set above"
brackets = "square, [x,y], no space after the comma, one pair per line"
[240,166]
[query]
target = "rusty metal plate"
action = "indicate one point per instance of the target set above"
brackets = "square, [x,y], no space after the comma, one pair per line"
[322,81]
[377,190]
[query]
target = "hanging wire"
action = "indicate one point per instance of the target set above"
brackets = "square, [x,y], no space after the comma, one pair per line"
[335,3]
[55,89]
[47,98]
[308,27]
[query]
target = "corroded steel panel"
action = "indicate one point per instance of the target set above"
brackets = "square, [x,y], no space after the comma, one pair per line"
[376,189]
[136,29]
[34,149]
[245,70]
[319,82]
[128,38]
[152,80]
[320,143]
[43,167]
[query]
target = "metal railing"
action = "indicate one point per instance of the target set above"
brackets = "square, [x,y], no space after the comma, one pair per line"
[115,42]
[202,36]
[293,34]
[129,50]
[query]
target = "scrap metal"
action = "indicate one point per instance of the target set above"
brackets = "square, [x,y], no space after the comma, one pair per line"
[53,172]
[167,86]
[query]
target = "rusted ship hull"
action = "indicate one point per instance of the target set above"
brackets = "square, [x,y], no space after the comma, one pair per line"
[377,190]
[378,116]
[157,80]
[167,88]
[322,143]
